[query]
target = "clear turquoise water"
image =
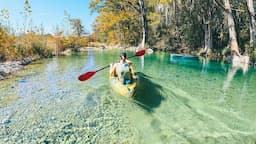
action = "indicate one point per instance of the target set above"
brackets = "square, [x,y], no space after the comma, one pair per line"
[182,101]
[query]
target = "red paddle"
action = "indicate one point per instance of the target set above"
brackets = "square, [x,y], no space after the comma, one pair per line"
[88,75]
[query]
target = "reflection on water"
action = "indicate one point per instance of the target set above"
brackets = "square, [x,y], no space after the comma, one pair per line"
[142,62]
[182,58]
[89,62]
[187,101]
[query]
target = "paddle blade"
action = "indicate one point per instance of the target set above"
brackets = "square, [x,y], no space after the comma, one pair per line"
[140,53]
[86,76]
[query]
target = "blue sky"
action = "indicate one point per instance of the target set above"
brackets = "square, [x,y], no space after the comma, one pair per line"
[50,13]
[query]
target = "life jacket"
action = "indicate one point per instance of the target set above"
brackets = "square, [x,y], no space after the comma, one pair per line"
[124,73]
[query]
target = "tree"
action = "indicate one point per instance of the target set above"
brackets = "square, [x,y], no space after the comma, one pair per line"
[144,23]
[231,27]
[78,28]
[208,26]
[181,25]
[122,12]
[4,16]
[252,21]
[76,25]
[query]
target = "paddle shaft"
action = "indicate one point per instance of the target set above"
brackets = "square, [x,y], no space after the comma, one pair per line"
[102,68]
[89,74]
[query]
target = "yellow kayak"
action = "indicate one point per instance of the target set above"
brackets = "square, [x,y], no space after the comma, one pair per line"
[126,90]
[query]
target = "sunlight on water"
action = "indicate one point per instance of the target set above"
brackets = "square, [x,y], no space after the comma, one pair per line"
[186,101]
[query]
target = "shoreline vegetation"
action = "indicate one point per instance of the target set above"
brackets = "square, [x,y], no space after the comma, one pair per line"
[9,67]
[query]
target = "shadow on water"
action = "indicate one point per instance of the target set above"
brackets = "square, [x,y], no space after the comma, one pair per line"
[147,94]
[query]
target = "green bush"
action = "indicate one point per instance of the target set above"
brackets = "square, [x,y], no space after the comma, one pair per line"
[38,49]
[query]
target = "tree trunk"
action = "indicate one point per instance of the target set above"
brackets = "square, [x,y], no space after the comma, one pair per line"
[252,21]
[144,23]
[207,38]
[231,26]
[173,14]
[166,15]
[208,32]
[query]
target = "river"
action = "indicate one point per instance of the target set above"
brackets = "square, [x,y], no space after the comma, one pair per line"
[181,101]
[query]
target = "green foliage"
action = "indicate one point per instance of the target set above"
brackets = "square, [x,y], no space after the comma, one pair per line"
[78,28]
[172,24]
[117,25]
[251,50]
[31,44]
[39,49]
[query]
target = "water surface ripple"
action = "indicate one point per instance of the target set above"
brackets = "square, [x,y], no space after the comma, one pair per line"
[180,101]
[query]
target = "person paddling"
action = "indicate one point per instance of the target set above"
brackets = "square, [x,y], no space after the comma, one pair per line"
[122,69]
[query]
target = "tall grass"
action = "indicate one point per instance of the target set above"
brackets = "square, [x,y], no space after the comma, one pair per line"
[31,44]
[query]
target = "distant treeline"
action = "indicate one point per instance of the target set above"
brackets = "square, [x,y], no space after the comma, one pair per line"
[210,27]
[207,26]
[31,44]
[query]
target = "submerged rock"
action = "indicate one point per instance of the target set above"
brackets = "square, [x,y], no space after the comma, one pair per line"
[10,67]
[67,52]
[67,126]
[3,74]
[1,77]
[6,121]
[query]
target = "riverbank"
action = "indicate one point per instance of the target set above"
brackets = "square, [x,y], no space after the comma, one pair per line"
[7,68]
[10,67]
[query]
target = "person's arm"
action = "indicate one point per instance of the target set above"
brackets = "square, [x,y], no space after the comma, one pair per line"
[112,70]
[129,62]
